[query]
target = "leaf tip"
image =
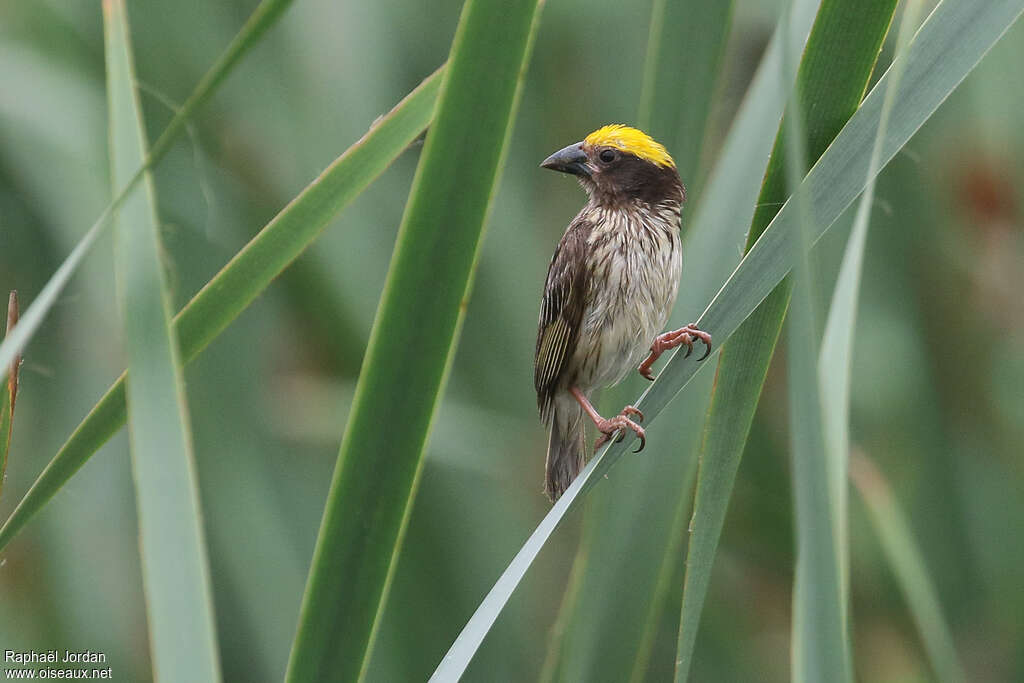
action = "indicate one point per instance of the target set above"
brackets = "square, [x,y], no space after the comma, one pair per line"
[12,320]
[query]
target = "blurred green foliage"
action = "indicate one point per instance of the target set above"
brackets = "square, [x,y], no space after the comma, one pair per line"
[938,366]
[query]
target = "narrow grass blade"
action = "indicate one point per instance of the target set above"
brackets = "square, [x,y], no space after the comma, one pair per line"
[247,274]
[266,14]
[412,342]
[472,636]
[836,354]
[819,641]
[259,22]
[834,73]
[672,562]
[9,397]
[182,635]
[908,565]
[721,223]
[948,46]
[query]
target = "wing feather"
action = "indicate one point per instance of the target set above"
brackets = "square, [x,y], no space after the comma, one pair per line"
[561,314]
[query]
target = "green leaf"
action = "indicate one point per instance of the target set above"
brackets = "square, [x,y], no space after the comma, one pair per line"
[836,354]
[175,572]
[684,53]
[908,565]
[833,76]
[947,48]
[412,342]
[668,470]
[266,14]
[9,397]
[244,277]
[820,641]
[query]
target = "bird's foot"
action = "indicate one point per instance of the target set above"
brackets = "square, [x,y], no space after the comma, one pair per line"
[670,340]
[620,423]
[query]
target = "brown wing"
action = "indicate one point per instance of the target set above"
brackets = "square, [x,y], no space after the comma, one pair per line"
[561,313]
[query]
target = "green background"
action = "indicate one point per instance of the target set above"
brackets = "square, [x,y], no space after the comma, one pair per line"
[938,368]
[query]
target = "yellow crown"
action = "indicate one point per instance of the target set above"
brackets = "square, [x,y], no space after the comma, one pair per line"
[630,141]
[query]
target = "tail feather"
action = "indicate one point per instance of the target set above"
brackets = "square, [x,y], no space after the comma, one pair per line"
[566,450]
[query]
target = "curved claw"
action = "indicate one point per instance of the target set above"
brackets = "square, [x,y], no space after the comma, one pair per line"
[643,442]
[616,427]
[645,368]
[632,410]
[603,439]
[695,333]
[689,347]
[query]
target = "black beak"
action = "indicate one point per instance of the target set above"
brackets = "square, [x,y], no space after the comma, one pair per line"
[571,159]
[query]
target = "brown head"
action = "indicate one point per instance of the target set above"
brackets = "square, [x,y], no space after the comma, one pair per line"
[617,164]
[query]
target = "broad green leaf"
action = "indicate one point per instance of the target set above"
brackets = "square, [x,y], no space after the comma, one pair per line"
[412,341]
[265,16]
[175,572]
[244,277]
[840,68]
[8,394]
[908,565]
[949,45]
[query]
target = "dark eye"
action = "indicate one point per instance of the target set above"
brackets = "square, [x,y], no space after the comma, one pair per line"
[607,156]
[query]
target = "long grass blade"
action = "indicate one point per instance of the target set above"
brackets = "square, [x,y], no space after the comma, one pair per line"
[266,14]
[836,354]
[948,46]
[412,342]
[243,278]
[9,397]
[182,635]
[819,642]
[721,224]
[908,565]
[841,67]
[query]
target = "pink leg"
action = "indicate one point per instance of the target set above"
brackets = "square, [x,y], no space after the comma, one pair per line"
[608,427]
[670,340]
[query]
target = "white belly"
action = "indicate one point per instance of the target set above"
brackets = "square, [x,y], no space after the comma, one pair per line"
[639,288]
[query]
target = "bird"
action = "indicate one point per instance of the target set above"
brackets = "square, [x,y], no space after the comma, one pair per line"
[609,291]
